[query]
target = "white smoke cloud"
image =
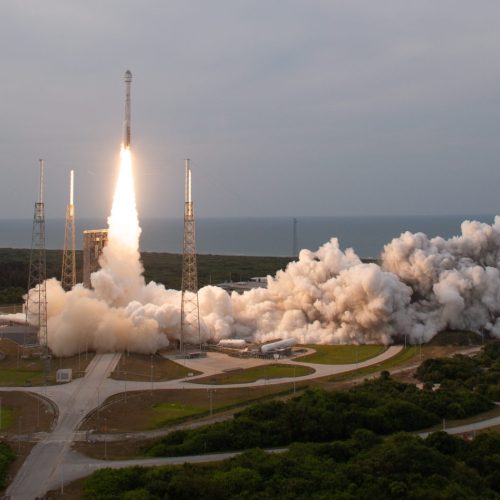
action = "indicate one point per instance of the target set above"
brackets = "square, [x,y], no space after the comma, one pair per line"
[329,296]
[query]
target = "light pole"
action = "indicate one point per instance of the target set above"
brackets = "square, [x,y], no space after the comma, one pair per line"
[105,439]
[151,374]
[19,442]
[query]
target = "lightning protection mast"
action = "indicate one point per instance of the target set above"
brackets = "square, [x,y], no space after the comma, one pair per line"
[190,309]
[36,302]
[68,272]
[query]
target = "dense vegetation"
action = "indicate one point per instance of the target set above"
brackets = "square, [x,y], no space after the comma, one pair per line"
[6,458]
[480,373]
[160,267]
[383,406]
[364,466]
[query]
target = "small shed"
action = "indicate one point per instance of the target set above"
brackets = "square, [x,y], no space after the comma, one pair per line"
[64,375]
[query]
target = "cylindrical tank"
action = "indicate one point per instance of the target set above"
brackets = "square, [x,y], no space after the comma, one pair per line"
[280,344]
[234,343]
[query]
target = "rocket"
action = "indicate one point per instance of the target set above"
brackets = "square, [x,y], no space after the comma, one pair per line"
[126,122]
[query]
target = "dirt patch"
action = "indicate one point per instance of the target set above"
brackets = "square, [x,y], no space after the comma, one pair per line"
[139,410]
[23,366]
[248,375]
[30,413]
[142,367]
[114,450]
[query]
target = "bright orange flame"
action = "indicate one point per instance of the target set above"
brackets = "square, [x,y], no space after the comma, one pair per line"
[123,222]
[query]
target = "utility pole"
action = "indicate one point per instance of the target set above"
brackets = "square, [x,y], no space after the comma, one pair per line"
[190,308]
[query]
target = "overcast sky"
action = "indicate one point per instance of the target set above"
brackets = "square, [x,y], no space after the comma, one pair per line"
[285,107]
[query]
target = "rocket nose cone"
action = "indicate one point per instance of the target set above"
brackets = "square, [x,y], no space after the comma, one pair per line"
[128,76]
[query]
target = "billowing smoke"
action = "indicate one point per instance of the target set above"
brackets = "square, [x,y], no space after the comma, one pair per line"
[421,286]
[455,282]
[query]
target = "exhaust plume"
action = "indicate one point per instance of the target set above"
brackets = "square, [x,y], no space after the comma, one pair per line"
[421,286]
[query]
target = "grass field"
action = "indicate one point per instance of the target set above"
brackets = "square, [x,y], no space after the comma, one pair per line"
[341,354]
[257,372]
[26,412]
[143,410]
[14,377]
[142,367]
[403,357]
[165,413]
[7,418]
[23,367]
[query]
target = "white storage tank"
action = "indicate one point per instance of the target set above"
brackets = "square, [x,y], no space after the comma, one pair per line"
[275,346]
[232,343]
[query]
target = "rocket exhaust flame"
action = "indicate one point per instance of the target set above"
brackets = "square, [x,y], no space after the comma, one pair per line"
[123,222]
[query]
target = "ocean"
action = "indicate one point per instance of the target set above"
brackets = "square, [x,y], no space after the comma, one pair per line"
[271,236]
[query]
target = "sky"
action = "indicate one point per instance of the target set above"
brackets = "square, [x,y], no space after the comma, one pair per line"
[285,107]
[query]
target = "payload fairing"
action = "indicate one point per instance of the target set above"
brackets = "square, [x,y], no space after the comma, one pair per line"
[126,123]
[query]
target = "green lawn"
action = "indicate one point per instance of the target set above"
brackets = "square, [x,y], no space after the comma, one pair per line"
[257,372]
[164,413]
[402,357]
[341,354]
[15,377]
[7,418]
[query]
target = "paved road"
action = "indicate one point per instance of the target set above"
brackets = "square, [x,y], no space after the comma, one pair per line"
[41,467]
[321,370]
[469,428]
[77,465]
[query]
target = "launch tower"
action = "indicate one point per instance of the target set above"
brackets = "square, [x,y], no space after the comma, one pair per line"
[36,302]
[190,309]
[68,273]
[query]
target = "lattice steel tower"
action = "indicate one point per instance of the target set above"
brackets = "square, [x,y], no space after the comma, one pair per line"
[190,309]
[36,302]
[68,272]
